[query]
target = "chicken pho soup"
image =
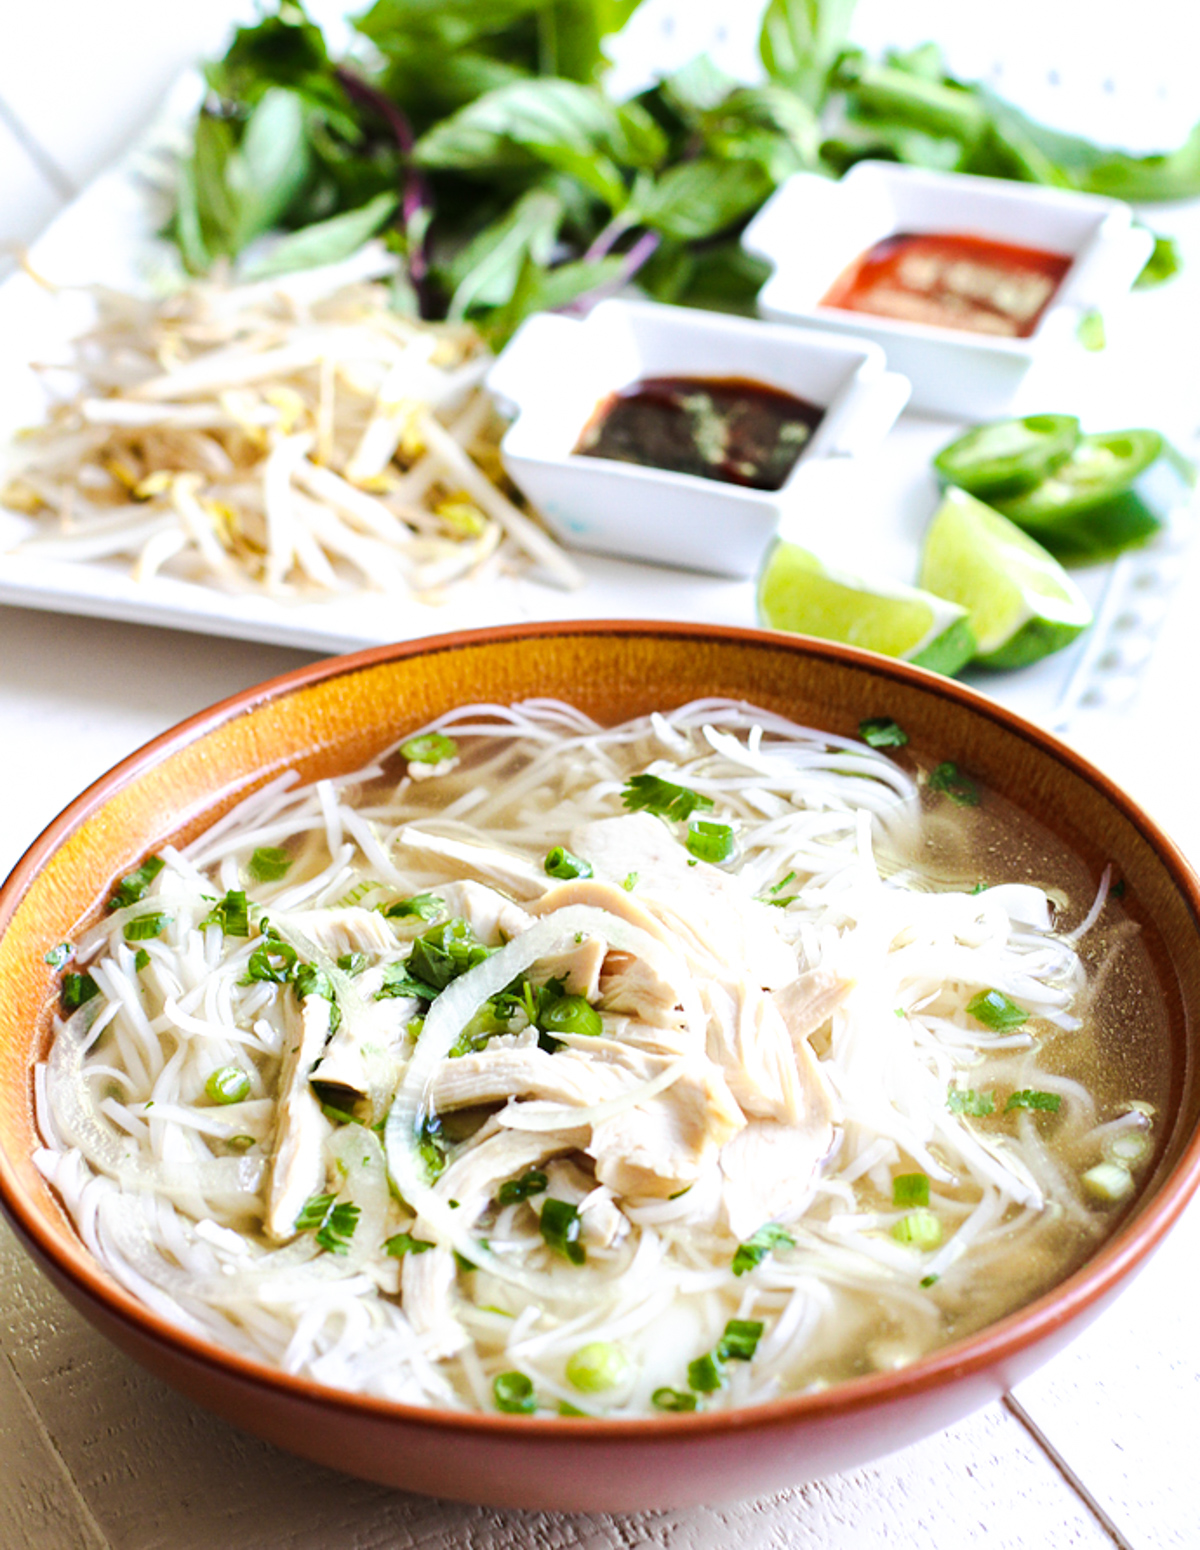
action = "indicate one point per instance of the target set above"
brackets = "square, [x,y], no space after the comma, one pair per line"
[550,1068]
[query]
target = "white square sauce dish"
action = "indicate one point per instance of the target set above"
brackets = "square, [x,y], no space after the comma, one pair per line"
[964,281]
[564,377]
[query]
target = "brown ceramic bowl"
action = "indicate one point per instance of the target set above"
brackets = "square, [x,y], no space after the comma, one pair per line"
[334,717]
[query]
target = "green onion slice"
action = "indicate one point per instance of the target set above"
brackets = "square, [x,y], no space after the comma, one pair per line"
[672,1399]
[561,1227]
[228,1084]
[910,1189]
[997,1011]
[711,842]
[268,864]
[597,1366]
[144,928]
[429,748]
[882,732]
[513,1393]
[565,864]
[706,1374]
[571,1014]
[1031,1099]
[740,1340]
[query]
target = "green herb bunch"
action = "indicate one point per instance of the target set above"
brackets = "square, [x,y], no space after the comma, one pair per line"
[480,141]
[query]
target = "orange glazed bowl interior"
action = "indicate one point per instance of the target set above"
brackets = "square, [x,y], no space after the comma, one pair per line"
[335,716]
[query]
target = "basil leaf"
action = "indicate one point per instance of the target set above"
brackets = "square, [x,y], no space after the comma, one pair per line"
[486,272]
[326,242]
[269,167]
[699,198]
[799,42]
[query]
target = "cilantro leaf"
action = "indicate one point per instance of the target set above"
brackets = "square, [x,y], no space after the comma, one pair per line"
[757,1247]
[134,885]
[652,794]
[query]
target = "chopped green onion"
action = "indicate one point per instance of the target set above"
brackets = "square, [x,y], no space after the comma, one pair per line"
[652,794]
[144,928]
[1030,1099]
[1108,1182]
[996,1011]
[334,1223]
[513,1393]
[232,914]
[141,960]
[1090,330]
[740,1340]
[352,963]
[564,864]
[59,955]
[268,864]
[429,748]
[921,1229]
[959,788]
[910,1189]
[965,1100]
[672,1399]
[432,1149]
[561,1227]
[570,1014]
[338,1116]
[882,732]
[597,1366]
[1129,1147]
[711,842]
[76,989]
[240,1143]
[403,1243]
[441,955]
[308,980]
[425,906]
[228,1084]
[781,884]
[756,1248]
[529,1184]
[705,1374]
[133,885]
[565,1407]
[928,1281]
[630,883]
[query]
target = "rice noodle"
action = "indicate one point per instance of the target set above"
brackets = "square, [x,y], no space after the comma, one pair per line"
[173,1190]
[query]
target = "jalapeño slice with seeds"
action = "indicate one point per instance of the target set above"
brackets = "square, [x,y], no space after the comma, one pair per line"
[1008,456]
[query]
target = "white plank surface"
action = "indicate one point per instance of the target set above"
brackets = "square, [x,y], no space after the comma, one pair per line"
[155,1473]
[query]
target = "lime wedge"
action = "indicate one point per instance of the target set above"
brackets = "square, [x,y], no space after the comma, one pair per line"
[1022,604]
[796,591]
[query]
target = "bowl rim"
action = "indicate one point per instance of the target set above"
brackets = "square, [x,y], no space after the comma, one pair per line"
[989,1348]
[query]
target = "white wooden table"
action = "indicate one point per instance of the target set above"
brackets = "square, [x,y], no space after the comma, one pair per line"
[1097,1449]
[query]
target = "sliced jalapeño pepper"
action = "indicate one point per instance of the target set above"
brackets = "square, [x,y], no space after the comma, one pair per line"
[1008,457]
[1114,493]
